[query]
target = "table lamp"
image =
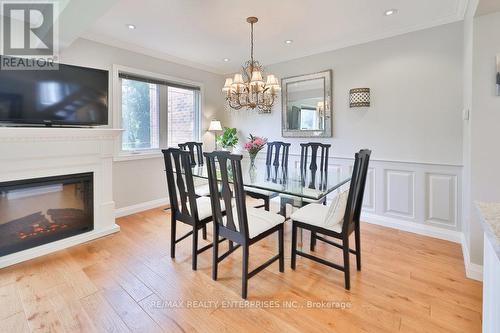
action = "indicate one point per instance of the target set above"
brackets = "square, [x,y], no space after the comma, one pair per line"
[215,126]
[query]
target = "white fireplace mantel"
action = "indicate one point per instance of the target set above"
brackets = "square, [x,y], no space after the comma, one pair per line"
[37,152]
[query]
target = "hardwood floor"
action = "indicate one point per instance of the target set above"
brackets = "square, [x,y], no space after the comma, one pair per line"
[127,282]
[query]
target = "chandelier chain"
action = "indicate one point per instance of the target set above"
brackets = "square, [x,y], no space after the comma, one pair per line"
[251,43]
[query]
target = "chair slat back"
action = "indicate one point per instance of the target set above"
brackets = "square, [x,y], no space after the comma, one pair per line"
[356,190]
[195,150]
[314,147]
[277,148]
[180,183]
[228,166]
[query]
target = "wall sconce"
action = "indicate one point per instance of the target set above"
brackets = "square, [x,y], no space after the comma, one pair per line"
[359,97]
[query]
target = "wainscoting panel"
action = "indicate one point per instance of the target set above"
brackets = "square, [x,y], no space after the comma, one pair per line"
[441,193]
[400,193]
[420,197]
[423,197]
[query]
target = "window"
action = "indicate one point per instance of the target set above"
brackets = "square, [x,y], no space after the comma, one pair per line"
[140,115]
[182,118]
[156,113]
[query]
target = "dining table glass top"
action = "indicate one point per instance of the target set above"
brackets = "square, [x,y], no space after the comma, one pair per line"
[291,180]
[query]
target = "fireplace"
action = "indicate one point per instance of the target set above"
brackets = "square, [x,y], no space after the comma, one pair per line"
[38,211]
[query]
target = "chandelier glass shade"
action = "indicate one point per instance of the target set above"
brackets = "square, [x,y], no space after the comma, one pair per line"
[248,88]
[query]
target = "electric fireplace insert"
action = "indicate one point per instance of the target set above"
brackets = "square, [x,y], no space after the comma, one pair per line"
[38,211]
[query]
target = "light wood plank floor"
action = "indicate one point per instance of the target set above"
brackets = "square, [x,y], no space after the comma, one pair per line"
[127,282]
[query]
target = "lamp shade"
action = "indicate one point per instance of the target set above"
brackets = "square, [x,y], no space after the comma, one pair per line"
[215,126]
[227,85]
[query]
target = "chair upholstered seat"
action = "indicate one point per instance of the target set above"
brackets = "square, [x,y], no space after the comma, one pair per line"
[259,220]
[202,190]
[316,214]
[205,207]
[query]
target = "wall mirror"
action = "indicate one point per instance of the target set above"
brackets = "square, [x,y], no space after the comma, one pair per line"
[306,105]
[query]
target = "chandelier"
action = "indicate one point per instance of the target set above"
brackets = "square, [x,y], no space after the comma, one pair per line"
[248,89]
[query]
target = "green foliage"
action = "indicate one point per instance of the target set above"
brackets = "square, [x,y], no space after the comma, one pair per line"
[229,138]
[136,114]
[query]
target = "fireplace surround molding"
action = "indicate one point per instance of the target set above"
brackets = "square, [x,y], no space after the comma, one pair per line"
[27,153]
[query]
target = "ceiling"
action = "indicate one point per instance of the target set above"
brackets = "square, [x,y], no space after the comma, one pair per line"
[202,33]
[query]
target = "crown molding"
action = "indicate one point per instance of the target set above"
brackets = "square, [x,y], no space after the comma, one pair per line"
[102,39]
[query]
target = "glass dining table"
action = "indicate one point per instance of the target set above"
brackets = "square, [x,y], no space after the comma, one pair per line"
[294,184]
[291,182]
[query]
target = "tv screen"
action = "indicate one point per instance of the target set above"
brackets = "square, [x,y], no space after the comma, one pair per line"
[70,95]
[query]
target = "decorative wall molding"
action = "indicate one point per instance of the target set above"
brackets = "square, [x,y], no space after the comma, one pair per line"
[399,194]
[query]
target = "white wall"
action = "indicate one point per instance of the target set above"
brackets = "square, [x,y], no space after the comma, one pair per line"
[485,128]
[416,89]
[139,181]
[414,126]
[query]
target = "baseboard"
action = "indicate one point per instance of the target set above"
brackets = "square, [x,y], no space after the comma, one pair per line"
[62,244]
[472,271]
[129,210]
[417,228]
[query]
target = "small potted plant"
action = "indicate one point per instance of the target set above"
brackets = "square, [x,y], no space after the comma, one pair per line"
[228,139]
[253,146]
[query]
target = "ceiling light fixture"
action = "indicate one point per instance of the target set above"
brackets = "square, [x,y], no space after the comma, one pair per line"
[131,26]
[226,59]
[248,88]
[288,41]
[390,12]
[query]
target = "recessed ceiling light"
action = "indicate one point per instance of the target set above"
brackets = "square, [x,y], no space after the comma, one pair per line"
[226,59]
[288,41]
[131,26]
[390,12]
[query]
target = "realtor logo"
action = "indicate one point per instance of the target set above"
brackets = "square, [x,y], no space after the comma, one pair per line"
[29,32]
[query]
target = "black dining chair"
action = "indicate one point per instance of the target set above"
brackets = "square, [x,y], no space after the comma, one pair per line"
[242,225]
[334,221]
[313,166]
[185,205]
[277,157]
[195,150]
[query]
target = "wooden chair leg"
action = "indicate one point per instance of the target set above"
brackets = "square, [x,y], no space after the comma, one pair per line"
[266,203]
[215,253]
[345,245]
[204,232]
[172,236]
[294,246]
[281,248]
[195,247]
[244,276]
[313,240]
[357,238]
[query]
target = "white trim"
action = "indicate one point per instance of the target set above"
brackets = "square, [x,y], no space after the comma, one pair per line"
[38,251]
[140,207]
[416,228]
[138,155]
[121,155]
[472,270]
[102,39]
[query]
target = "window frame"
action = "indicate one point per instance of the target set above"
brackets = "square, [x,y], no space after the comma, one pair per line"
[116,117]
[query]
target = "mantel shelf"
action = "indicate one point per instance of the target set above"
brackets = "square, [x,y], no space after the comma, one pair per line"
[10,134]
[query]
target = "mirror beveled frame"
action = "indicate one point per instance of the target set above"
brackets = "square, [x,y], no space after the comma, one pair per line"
[326,132]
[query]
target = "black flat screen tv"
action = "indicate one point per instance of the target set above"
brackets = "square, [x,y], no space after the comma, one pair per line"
[68,96]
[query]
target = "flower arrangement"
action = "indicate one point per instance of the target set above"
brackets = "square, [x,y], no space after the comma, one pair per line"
[254,145]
